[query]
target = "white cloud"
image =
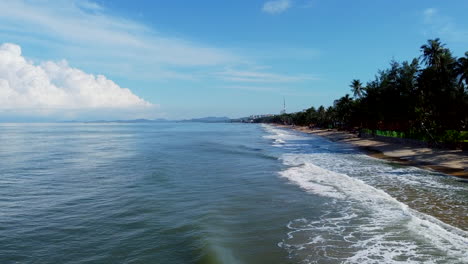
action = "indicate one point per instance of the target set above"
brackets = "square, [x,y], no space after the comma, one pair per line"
[89,5]
[52,87]
[92,37]
[278,90]
[262,77]
[429,13]
[439,25]
[87,34]
[276,6]
[88,30]
[252,88]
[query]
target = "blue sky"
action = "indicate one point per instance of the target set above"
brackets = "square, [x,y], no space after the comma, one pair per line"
[182,59]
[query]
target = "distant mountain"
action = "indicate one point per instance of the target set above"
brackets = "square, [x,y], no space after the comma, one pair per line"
[142,121]
[210,119]
[122,121]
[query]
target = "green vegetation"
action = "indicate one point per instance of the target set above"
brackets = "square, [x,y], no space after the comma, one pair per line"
[425,98]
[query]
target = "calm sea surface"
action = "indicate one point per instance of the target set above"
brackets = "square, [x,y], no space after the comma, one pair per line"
[216,193]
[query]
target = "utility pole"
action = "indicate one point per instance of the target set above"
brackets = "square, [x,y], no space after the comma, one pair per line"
[284,106]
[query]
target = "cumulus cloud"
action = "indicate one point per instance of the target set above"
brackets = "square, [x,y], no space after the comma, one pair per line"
[276,6]
[55,86]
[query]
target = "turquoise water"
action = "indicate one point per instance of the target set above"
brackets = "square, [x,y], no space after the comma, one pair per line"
[216,193]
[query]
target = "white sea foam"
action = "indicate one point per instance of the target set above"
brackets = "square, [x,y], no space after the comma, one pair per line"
[384,217]
[279,136]
[363,223]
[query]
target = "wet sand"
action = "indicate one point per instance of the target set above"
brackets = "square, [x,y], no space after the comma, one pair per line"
[448,161]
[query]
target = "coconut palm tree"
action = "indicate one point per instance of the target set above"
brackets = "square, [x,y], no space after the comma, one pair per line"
[462,69]
[433,53]
[343,109]
[357,88]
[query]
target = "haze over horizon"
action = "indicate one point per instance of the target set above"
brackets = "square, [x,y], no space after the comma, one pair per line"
[91,60]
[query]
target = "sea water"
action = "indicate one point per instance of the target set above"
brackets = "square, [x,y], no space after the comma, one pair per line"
[216,193]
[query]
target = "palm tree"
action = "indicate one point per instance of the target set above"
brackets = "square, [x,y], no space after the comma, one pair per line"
[343,110]
[321,116]
[433,53]
[356,88]
[462,69]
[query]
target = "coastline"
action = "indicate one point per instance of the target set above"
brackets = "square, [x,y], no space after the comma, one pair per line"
[447,161]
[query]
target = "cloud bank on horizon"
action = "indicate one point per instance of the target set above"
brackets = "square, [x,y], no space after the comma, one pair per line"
[55,88]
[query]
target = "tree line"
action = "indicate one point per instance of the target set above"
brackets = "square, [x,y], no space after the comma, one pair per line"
[425,98]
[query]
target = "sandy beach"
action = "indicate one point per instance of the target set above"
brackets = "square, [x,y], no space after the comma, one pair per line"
[448,161]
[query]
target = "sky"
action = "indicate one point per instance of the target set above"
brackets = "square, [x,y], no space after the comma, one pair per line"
[92,60]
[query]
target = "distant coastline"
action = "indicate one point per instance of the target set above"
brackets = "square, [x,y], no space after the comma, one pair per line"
[159,120]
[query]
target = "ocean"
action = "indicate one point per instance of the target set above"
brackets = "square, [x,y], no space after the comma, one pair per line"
[216,193]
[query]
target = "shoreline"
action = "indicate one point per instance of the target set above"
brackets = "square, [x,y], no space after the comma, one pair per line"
[447,161]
